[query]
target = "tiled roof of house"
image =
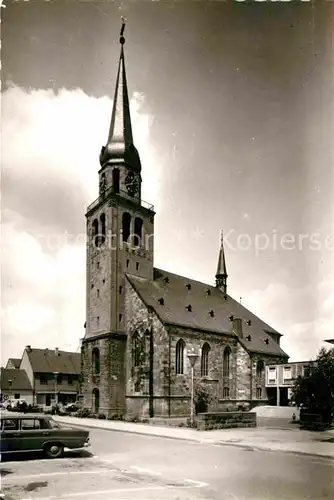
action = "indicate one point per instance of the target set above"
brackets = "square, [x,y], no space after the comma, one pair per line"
[15,362]
[210,311]
[19,378]
[50,361]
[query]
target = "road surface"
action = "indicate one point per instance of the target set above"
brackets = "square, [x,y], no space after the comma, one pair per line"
[131,466]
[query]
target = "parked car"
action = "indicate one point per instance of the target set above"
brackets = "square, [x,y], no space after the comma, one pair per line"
[32,433]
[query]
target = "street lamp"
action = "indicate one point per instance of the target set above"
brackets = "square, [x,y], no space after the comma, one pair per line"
[192,356]
[56,387]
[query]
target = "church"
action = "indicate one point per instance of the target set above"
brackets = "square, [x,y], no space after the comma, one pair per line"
[142,322]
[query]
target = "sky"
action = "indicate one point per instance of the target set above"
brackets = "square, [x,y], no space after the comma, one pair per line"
[233,116]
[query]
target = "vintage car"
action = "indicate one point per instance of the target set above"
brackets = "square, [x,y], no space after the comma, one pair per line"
[31,433]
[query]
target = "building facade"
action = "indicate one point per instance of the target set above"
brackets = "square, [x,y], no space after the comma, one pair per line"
[15,385]
[54,375]
[142,322]
[280,380]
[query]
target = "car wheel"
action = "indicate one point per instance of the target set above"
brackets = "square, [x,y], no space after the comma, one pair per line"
[54,450]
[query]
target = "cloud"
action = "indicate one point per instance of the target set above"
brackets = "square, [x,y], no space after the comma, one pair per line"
[305,321]
[51,144]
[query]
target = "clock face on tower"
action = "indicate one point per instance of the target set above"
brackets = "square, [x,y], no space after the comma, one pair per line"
[131,183]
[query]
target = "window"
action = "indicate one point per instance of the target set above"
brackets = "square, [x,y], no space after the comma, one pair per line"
[120,317]
[127,262]
[98,265]
[272,373]
[137,386]
[59,379]
[30,424]
[137,266]
[120,290]
[258,392]
[16,395]
[103,228]
[226,392]
[95,232]
[179,357]
[96,400]
[10,424]
[43,380]
[98,293]
[135,350]
[126,223]
[70,380]
[96,360]
[260,369]
[205,360]
[306,371]
[287,373]
[115,180]
[138,230]
[226,362]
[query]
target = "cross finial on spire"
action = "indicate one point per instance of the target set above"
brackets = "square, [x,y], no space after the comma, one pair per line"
[122,39]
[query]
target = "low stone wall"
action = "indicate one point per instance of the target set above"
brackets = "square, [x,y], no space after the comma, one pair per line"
[225,420]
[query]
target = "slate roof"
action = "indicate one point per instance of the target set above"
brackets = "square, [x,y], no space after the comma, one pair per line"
[203,298]
[50,361]
[15,361]
[19,378]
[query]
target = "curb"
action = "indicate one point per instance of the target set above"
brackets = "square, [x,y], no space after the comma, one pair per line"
[209,442]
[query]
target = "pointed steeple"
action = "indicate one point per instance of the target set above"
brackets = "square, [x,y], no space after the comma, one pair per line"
[221,275]
[120,147]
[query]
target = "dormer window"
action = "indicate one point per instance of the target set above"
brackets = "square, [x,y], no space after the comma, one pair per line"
[189,308]
[188,285]
[212,313]
[166,280]
[231,318]
[266,341]
[249,338]
[161,301]
[208,292]
[249,322]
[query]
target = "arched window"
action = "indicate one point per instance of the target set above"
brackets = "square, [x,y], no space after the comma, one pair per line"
[226,362]
[260,369]
[226,392]
[96,360]
[138,231]
[179,357]
[126,224]
[103,228]
[95,232]
[103,184]
[96,400]
[205,360]
[135,350]
[115,180]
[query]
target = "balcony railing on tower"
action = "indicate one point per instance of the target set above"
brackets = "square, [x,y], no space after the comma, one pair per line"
[112,193]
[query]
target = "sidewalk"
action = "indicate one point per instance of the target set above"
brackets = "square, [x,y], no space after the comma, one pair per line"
[288,441]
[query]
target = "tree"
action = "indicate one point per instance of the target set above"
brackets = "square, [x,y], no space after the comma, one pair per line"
[315,390]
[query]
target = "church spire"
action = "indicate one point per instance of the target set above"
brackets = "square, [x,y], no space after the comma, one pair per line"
[221,275]
[120,147]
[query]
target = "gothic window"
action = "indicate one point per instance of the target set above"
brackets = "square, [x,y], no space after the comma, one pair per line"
[260,369]
[205,360]
[103,228]
[179,357]
[226,392]
[258,393]
[135,350]
[96,360]
[115,180]
[95,232]
[126,224]
[138,230]
[226,362]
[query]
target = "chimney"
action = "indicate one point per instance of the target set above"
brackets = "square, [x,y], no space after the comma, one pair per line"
[28,347]
[237,327]
[56,351]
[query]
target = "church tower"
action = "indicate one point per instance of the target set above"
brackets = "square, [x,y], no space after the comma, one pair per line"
[120,233]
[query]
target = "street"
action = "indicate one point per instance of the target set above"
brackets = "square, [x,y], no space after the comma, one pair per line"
[130,466]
